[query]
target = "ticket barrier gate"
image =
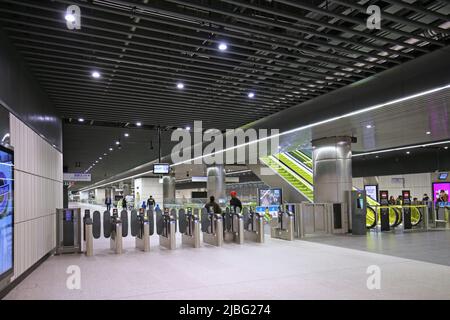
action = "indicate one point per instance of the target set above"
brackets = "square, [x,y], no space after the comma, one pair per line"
[282,226]
[253,225]
[189,226]
[233,225]
[68,231]
[88,238]
[116,230]
[142,229]
[166,227]
[212,228]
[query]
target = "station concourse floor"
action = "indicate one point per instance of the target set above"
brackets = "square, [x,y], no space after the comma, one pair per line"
[413,266]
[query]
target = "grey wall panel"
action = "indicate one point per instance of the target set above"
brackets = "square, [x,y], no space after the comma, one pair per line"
[21,94]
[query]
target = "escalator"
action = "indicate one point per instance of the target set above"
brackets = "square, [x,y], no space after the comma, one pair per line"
[296,168]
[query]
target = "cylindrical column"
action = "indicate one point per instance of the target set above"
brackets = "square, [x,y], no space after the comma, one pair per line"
[332,162]
[216,183]
[169,184]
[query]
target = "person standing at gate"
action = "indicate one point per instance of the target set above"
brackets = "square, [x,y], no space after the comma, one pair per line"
[212,206]
[150,202]
[235,202]
[108,202]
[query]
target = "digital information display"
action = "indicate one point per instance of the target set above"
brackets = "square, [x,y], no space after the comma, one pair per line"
[372,191]
[268,212]
[161,168]
[6,211]
[270,197]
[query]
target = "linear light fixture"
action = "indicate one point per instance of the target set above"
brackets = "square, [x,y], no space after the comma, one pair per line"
[402,148]
[308,126]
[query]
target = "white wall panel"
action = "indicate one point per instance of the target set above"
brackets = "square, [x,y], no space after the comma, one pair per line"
[38,191]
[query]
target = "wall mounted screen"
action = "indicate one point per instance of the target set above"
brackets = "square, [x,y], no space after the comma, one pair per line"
[161,168]
[443,175]
[270,197]
[6,212]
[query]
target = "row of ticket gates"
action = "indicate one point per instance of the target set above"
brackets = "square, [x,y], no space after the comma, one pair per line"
[231,225]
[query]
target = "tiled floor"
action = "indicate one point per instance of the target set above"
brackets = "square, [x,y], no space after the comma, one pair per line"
[274,270]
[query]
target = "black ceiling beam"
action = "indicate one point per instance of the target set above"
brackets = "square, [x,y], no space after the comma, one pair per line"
[356,21]
[181,42]
[204,66]
[52,59]
[328,25]
[273,68]
[295,29]
[229,34]
[416,8]
[252,30]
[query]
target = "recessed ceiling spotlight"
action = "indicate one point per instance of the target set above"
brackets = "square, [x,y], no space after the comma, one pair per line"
[180,85]
[188,128]
[223,46]
[96,161]
[117,142]
[445,148]
[369,126]
[428,132]
[100,158]
[80,120]
[408,152]
[127,135]
[111,149]
[105,154]
[138,124]
[251,95]
[96,75]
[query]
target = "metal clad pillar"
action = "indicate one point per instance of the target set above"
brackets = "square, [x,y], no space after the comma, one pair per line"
[169,187]
[216,183]
[332,162]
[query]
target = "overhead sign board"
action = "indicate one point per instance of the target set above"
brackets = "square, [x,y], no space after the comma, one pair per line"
[84,177]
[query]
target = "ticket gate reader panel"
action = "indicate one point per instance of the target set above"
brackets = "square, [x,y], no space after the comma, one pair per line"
[68,231]
[282,226]
[88,239]
[142,240]
[212,228]
[116,241]
[253,225]
[166,228]
[233,225]
[384,211]
[358,212]
[406,196]
[189,226]
[151,220]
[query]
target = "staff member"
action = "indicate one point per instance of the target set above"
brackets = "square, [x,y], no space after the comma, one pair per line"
[235,202]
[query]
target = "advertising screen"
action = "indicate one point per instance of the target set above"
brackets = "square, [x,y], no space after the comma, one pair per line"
[441,190]
[372,191]
[6,211]
[270,197]
[161,168]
